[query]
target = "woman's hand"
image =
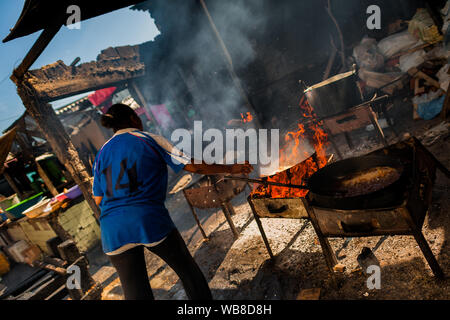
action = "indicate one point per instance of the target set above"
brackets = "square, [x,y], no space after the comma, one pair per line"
[245,168]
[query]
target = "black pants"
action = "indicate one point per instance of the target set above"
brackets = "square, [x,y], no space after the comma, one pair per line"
[132,270]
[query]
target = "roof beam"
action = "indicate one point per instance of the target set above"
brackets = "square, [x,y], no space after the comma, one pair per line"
[112,67]
[38,47]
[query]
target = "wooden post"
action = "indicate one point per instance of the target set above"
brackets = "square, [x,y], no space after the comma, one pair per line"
[446,107]
[229,64]
[54,133]
[26,150]
[38,47]
[326,74]
[341,37]
[47,181]
[70,253]
[13,185]
[143,104]
[376,125]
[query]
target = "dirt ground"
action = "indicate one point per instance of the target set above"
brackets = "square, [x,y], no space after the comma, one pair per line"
[241,269]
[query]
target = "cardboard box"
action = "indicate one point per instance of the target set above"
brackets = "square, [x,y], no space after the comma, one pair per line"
[15,250]
[31,254]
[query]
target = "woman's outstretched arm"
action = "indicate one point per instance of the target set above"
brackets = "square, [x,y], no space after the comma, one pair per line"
[204,168]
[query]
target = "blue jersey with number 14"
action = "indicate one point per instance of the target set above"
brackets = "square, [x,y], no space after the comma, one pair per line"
[130,173]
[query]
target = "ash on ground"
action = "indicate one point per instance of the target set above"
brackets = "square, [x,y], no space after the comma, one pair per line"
[241,269]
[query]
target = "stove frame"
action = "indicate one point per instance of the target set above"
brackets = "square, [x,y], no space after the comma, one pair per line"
[214,192]
[406,218]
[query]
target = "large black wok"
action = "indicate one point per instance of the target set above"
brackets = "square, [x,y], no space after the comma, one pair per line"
[324,184]
[324,192]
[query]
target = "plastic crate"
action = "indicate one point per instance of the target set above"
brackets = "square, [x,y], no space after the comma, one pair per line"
[15,212]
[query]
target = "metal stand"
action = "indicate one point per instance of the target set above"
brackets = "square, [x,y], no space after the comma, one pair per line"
[261,230]
[195,217]
[327,250]
[227,210]
[424,247]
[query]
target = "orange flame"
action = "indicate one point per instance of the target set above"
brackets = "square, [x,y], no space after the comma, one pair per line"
[247,118]
[298,173]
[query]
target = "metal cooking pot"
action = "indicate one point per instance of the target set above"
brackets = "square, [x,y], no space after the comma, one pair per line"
[334,95]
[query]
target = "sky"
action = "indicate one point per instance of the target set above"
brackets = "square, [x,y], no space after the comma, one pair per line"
[117,28]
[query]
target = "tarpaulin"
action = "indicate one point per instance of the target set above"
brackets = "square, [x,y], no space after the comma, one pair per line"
[162,115]
[100,96]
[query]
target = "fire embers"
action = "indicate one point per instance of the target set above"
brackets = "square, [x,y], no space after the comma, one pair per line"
[247,117]
[292,151]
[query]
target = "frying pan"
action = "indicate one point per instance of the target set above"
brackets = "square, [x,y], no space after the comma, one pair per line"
[323,182]
[323,191]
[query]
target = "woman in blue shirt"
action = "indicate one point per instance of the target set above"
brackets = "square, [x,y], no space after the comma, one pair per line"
[130,185]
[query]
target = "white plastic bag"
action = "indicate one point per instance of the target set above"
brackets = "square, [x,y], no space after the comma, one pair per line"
[367,55]
[427,97]
[396,43]
[422,26]
[444,77]
[411,60]
[438,52]
[378,80]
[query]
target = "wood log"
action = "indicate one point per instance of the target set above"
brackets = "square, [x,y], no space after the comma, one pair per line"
[43,288]
[94,293]
[69,252]
[48,183]
[330,61]
[38,47]
[341,37]
[86,279]
[55,134]
[50,267]
[417,48]
[416,72]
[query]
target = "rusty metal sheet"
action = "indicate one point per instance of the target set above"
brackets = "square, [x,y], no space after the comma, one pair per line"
[279,208]
[203,197]
[334,222]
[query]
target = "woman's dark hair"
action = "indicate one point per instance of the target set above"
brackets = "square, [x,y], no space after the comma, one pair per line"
[120,116]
